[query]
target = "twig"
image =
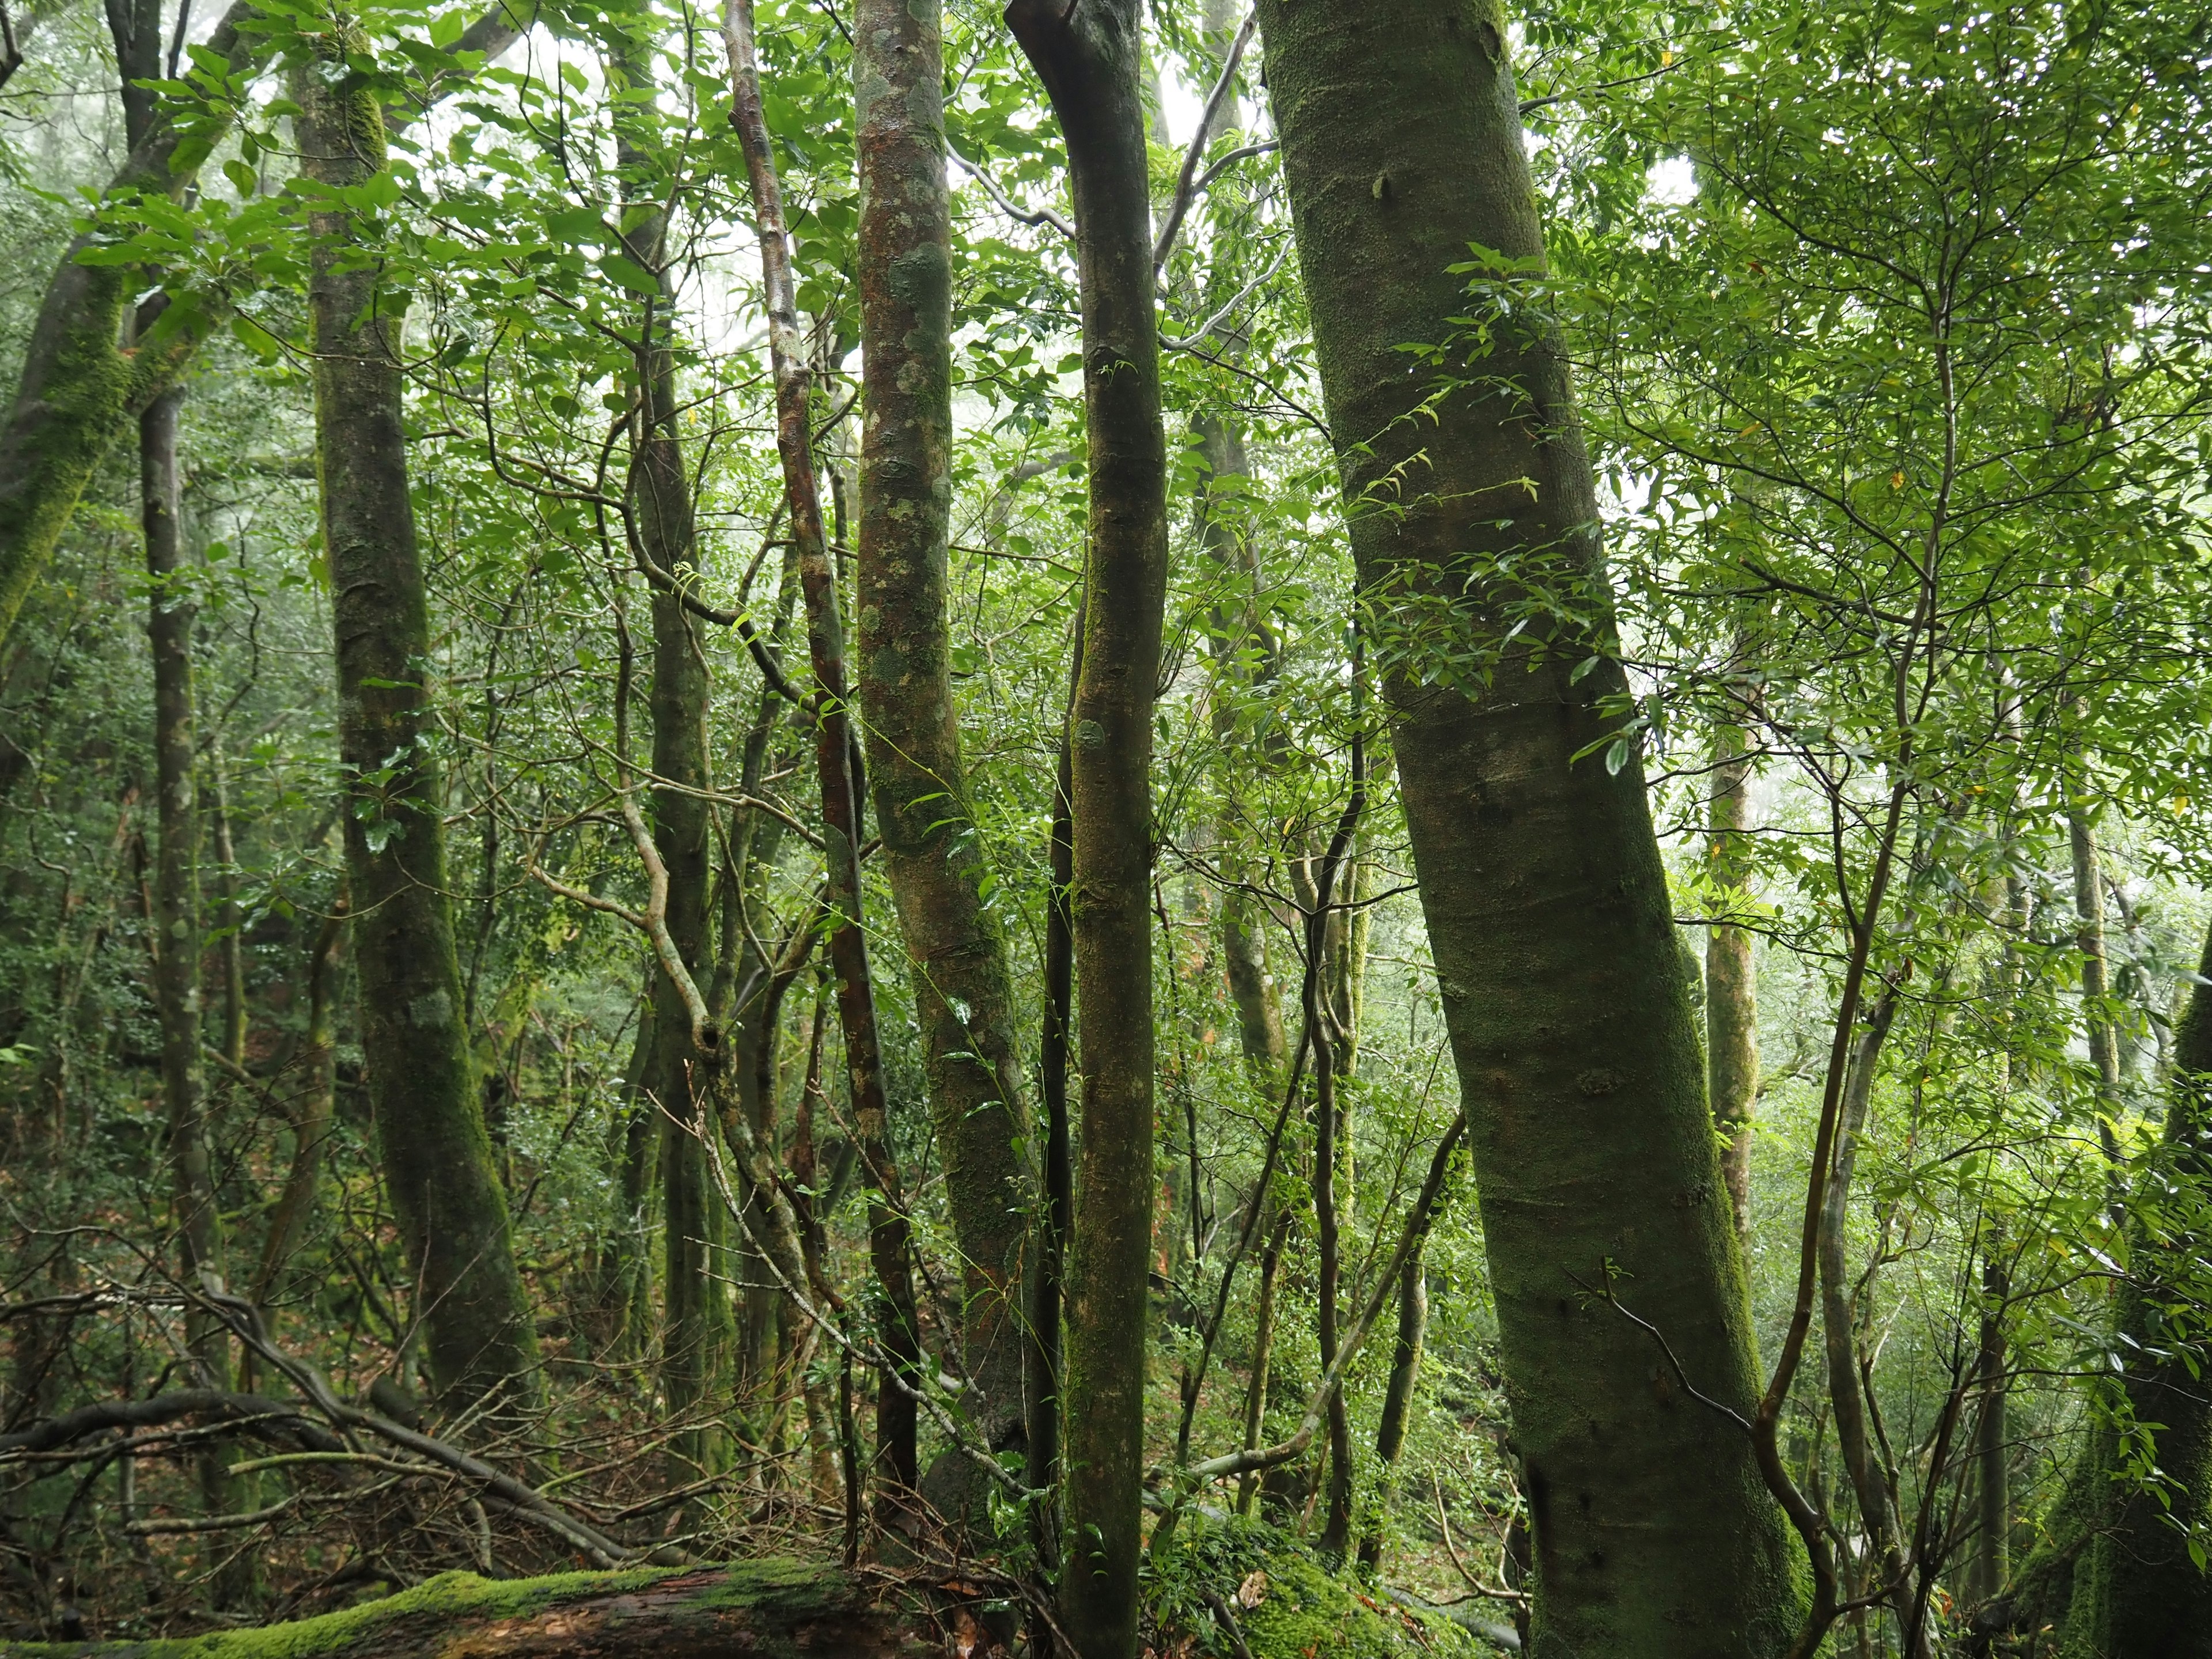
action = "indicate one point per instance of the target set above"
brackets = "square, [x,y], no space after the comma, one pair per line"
[1037,216]
[1187,181]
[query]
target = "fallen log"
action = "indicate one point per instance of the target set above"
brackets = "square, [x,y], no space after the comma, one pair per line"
[769,1610]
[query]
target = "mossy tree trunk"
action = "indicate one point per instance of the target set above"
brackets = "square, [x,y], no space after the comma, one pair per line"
[766,1608]
[933,851]
[1563,985]
[1244,660]
[436,1157]
[1089,58]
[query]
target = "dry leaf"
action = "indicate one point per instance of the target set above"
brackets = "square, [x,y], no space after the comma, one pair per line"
[1253,1590]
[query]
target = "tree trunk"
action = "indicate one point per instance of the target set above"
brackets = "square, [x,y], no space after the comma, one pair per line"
[1546,905]
[889,1243]
[766,1607]
[227,916]
[311,1123]
[2096,1011]
[1879,1522]
[437,1158]
[1731,986]
[697,1329]
[1398,1396]
[2137,1593]
[1055,1217]
[1244,652]
[964,999]
[1088,58]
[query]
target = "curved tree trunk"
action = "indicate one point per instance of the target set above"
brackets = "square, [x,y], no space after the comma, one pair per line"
[964,998]
[1244,652]
[436,1156]
[1088,58]
[1562,982]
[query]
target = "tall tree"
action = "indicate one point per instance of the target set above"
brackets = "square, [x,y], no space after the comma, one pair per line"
[1089,58]
[836,757]
[933,852]
[480,1331]
[1546,905]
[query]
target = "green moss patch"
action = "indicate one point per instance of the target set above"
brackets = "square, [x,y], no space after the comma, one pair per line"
[1297,1609]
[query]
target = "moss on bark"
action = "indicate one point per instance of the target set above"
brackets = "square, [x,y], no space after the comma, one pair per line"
[771,1609]
[436,1157]
[1472,509]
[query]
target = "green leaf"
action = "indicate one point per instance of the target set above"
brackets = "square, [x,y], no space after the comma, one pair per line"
[631,276]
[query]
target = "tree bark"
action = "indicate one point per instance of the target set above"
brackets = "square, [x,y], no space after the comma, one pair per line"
[933,852]
[1088,60]
[437,1158]
[1546,905]
[310,1121]
[227,916]
[766,1607]
[890,1240]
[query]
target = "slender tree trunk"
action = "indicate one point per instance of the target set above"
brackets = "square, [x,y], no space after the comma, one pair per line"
[2096,990]
[437,1158]
[1263,1351]
[697,1330]
[1398,1395]
[178,926]
[227,917]
[1731,986]
[1990,1564]
[890,1243]
[1839,1319]
[1088,58]
[933,851]
[1057,1211]
[311,1121]
[1244,652]
[1562,986]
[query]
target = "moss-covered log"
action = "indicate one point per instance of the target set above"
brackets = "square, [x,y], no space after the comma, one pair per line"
[774,1609]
